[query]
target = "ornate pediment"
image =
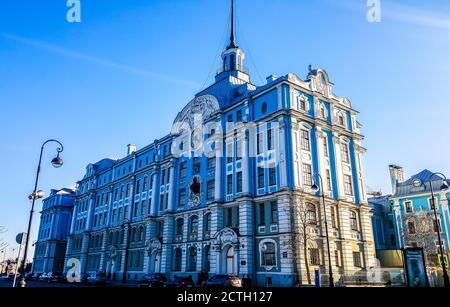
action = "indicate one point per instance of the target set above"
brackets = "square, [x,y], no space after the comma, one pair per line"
[226,236]
[195,113]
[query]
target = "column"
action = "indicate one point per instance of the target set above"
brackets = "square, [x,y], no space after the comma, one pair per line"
[171,205]
[339,174]
[347,241]
[218,177]
[90,213]
[246,230]
[155,191]
[104,250]
[282,154]
[367,236]
[245,160]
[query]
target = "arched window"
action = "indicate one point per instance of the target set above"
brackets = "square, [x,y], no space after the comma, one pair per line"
[192,259]
[141,234]
[179,227]
[268,254]
[354,220]
[193,228]
[207,258]
[232,62]
[207,222]
[341,120]
[311,214]
[133,234]
[177,260]
[323,111]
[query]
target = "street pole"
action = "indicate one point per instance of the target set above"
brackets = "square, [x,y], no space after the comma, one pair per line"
[438,225]
[330,268]
[57,162]
[17,265]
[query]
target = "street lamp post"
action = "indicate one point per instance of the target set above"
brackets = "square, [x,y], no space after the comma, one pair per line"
[316,189]
[57,163]
[438,225]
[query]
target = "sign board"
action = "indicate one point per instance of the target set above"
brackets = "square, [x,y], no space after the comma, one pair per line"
[317,278]
[415,268]
[445,260]
[20,238]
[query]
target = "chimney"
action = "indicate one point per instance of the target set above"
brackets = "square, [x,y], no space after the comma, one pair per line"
[131,149]
[271,78]
[397,176]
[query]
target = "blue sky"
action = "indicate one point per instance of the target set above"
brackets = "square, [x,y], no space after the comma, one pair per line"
[123,73]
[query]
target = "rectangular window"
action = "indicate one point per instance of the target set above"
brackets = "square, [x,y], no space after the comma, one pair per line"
[239,116]
[167,201]
[307,175]
[348,186]
[136,209]
[260,177]
[314,256]
[270,139]
[181,197]
[229,153]
[143,207]
[239,182]
[329,184]
[121,192]
[259,143]
[239,153]
[138,186]
[210,190]
[163,177]
[411,227]
[325,147]
[408,207]
[357,259]
[336,258]
[161,202]
[183,167]
[274,212]
[333,217]
[262,215]
[305,141]
[229,184]
[229,216]
[230,118]
[211,163]
[196,166]
[345,153]
[145,184]
[272,175]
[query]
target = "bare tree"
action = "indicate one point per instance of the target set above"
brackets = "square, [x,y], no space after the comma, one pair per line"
[303,232]
[420,231]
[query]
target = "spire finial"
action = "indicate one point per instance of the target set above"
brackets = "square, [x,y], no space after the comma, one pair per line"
[232,38]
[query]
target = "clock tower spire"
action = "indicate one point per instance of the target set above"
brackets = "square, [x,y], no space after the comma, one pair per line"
[233,57]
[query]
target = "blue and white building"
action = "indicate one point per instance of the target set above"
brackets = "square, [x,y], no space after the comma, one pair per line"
[395,216]
[218,192]
[54,227]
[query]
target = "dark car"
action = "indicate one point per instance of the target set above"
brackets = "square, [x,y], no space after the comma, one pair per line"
[152,280]
[29,276]
[180,282]
[98,278]
[223,281]
[36,276]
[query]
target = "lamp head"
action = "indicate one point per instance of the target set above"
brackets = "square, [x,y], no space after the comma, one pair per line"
[315,188]
[57,162]
[444,186]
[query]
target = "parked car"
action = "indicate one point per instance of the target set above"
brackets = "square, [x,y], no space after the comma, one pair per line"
[156,280]
[98,278]
[36,276]
[180,282]
[43,276]
[223,281]
[54,277]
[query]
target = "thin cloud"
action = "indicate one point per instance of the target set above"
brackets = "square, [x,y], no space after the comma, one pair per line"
[400,13]
[96,60]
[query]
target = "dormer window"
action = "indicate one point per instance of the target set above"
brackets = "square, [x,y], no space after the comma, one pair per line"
[232,62]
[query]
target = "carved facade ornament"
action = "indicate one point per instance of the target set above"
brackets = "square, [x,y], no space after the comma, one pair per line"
[226,236]
[195,191]
[153,246]
[195,113]
[112,252]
